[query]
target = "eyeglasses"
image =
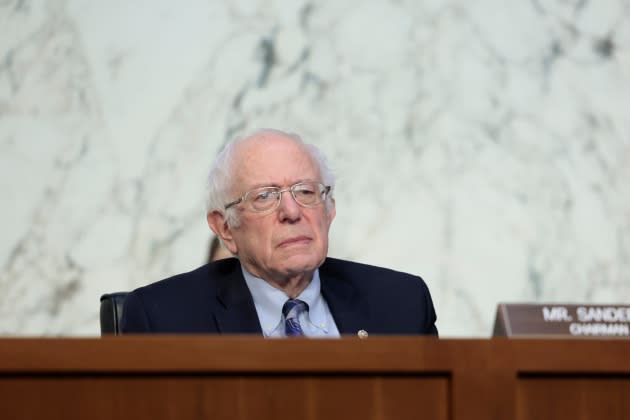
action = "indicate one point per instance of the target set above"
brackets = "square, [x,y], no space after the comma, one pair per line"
[267,199]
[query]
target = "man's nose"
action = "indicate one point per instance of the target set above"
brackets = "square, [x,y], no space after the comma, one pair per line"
[289,210]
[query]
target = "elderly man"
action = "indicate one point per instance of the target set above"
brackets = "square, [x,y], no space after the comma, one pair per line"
[271,202]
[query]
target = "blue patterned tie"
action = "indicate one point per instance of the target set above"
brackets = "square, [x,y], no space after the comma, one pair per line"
[291,310]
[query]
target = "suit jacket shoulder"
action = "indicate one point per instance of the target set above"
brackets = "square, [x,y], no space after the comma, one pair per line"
[379,300]
[214,298]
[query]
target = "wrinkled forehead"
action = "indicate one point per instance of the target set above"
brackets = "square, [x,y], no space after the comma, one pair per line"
[272,160]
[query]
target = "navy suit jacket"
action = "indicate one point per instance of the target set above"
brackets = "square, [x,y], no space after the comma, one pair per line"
[215,299]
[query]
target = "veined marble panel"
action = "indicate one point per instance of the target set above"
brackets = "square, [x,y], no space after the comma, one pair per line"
[483,145]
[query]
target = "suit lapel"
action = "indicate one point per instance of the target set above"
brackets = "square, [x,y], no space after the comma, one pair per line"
[236,313]
[349,310]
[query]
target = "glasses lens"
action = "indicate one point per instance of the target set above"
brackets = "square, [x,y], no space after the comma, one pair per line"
[263,199]
[308,193]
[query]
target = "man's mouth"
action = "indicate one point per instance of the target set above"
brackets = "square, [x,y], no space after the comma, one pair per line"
[296,240]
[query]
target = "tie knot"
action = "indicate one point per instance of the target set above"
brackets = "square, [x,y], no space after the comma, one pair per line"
[293,308]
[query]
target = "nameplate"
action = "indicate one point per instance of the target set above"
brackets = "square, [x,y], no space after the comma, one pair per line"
[544,320]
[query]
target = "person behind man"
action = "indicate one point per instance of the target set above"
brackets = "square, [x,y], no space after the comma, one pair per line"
[216,251]
[270,201]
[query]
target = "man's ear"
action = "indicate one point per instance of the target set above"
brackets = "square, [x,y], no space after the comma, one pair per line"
[332,212]
[218,224]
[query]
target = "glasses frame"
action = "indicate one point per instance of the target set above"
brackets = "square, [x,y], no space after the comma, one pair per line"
[325,191]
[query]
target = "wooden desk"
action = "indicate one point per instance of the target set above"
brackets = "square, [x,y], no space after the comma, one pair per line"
[184,377]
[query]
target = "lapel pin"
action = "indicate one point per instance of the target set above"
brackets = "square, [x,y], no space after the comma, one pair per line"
[362,334]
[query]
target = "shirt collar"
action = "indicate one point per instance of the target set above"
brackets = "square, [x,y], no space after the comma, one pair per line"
[269,301]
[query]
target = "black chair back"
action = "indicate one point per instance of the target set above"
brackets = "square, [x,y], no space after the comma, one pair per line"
[111,312]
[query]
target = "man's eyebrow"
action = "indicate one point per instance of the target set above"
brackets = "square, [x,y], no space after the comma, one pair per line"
[276,185]
[264,184]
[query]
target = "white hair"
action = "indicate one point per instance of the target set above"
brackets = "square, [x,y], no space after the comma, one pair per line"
[220,188]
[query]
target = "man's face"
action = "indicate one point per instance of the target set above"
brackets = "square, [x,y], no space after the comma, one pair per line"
[291,240]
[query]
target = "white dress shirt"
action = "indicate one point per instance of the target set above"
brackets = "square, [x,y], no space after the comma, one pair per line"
[317,322]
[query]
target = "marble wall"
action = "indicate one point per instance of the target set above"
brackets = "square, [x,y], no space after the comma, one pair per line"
[483,145]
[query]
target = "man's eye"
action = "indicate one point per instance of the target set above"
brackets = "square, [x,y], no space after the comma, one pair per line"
[264,196]
[305,191]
